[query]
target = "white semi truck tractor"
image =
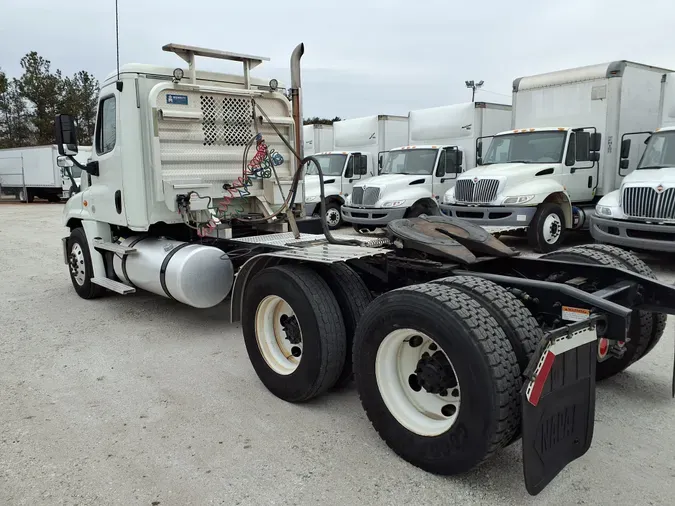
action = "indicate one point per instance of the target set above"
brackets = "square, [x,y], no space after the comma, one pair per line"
[358,142]
[641,213]
[546,175]
[458,345]
[412,178]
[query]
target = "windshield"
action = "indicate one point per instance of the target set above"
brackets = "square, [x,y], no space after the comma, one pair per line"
[331,165]
[529,147]
[660,151]
[410,161]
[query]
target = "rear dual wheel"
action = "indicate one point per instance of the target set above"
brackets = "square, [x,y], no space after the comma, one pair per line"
[645,331]
[437,376]
[300,325]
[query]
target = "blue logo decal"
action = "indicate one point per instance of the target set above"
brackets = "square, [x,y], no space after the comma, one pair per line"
[177,99]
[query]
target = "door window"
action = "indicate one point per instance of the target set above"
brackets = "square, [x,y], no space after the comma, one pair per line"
[106,125]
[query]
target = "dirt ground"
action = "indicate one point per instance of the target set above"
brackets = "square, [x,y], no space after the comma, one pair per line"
[140,400]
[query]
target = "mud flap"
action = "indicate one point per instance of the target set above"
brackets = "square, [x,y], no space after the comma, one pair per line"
[558,402]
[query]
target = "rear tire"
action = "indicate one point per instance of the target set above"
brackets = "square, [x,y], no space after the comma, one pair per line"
[640,332]
[26,196]
[635,264]
[80,266]
[520,327]
[547,229]
[290,309]
[483,363]
[353,297]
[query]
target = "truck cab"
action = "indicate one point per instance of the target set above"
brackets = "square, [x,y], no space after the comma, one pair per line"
[529,175]
[641,213]
[341,170]
[410,182]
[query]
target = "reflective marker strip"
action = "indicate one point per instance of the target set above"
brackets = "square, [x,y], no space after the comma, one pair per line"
[560,346]
[540,380]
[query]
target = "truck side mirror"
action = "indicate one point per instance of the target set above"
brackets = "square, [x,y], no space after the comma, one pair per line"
[64,161]
[379,161]
[623,164]
[625,148]
[594,156]
[65,132]
[596,141]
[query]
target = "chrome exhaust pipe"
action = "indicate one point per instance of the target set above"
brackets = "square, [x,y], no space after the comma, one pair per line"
[296,97]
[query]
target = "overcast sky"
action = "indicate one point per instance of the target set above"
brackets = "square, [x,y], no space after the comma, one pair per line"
[362,56]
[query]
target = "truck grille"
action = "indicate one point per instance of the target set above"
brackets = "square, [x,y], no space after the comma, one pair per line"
[365,198]
[483,190]
[645,202]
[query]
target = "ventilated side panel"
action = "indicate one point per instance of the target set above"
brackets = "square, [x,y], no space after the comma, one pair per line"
[202,136]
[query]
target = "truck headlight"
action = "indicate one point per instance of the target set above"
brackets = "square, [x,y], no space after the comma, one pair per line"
[313,198]
[603,210]
[520,199]
[393,203]
[449,197]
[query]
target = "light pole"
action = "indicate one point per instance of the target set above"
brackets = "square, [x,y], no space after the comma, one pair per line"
[474,86]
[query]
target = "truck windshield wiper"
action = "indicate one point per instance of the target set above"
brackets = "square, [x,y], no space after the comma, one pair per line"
[652,167]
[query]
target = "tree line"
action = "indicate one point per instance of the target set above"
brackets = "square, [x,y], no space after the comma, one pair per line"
[29,103]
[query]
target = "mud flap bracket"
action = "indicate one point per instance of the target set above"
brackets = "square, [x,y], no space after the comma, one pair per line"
[558,402]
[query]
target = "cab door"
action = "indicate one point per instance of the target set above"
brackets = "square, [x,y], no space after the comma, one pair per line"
[105,199]
[359,166]
[581,165]
[448,167]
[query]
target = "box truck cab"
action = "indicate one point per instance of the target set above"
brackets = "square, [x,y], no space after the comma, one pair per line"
[358,144]
[641,213]
[413,178]
[547,173]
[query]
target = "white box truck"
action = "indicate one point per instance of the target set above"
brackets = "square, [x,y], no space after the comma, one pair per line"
[641,213]
[412,178]
[358,142]
[317,138]
[562,154]
[34,172]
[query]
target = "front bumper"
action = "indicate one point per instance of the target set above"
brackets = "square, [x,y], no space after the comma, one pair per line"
[491,216]
[311,208]
[372,216]
[632,234]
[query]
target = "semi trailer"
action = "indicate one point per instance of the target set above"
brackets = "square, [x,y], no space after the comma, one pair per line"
[458,346]
[546,174]
[358,144]
[641,213]
[412,178]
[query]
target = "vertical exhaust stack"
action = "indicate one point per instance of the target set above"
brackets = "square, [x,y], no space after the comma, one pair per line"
[296,104]
[296,96]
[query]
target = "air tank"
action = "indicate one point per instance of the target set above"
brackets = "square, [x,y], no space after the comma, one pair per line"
[194,274]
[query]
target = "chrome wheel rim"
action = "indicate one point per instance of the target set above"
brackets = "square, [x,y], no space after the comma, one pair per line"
[552,228]
[77,266]
[333,217]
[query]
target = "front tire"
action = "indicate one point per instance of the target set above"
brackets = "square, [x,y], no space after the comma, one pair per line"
[437,377]
[80,266]
[547,229]
[294,332]
[333,215]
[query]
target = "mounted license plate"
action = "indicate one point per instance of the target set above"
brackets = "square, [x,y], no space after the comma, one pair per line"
[558,402]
